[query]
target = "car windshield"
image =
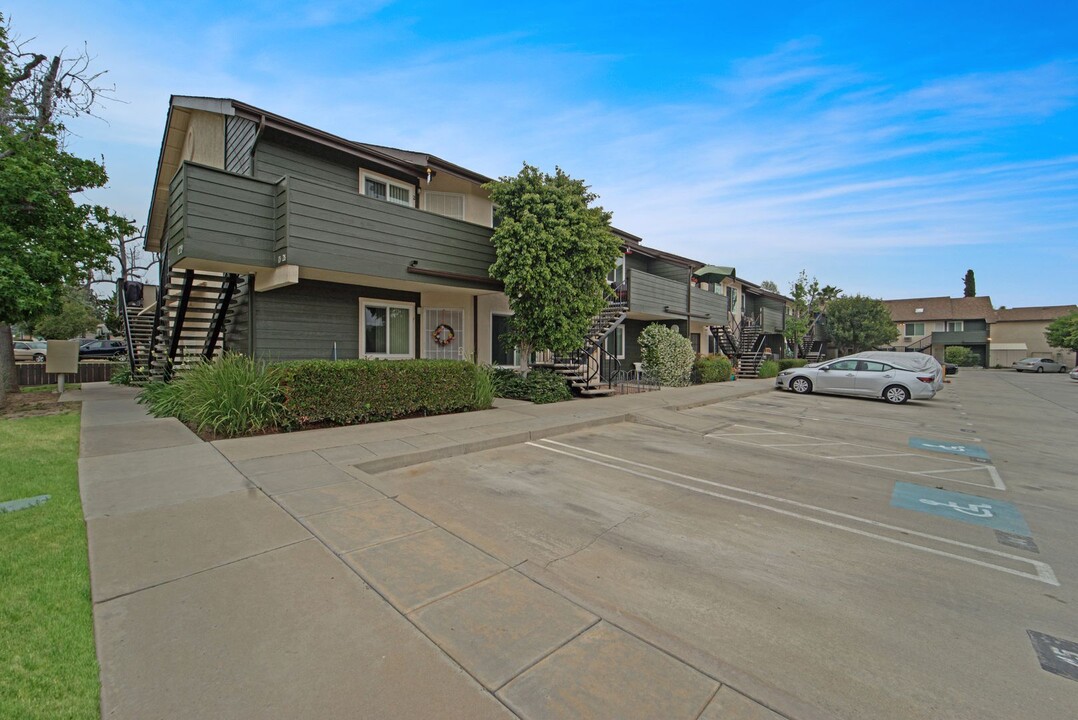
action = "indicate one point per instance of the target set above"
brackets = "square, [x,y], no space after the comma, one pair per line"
[1029,360]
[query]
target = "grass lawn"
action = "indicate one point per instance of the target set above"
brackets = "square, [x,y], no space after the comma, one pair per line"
[48,667]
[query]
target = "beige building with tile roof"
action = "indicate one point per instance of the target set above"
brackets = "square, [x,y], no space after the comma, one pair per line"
[932,324]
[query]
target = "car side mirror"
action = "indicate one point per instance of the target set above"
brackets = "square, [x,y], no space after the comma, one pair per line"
[826,368]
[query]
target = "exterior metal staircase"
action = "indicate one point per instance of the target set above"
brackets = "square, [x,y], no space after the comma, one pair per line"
[750,348]
[190,320]
[725,339]
[592,371]
[812,347]
[137,318]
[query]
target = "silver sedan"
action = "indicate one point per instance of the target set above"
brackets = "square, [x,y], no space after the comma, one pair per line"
[1040,365]
[867,378]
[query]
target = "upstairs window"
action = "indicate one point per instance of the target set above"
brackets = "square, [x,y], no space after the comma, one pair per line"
[382,188]
[915,329]
[956,326]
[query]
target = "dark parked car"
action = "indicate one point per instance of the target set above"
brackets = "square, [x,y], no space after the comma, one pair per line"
[103,349]
[950,368]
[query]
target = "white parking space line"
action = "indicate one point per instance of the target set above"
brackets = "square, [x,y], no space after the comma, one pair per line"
[878,455]
[893,424]
[995,481]
[815,444]
[1042,571]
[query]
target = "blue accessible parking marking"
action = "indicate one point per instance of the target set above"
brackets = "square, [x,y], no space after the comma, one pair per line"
[951,448]
[996,514]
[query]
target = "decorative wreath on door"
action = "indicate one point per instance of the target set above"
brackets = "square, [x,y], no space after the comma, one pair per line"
[443,335]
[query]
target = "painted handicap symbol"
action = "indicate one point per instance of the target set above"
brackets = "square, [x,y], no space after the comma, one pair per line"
[974,509]
[946,448]
[1071,658]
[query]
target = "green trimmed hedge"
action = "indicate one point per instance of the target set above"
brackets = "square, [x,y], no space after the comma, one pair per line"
[789,363]
[346,392]
[539,386]
[713,368]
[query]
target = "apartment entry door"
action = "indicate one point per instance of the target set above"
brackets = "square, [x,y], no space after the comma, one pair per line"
[443,333]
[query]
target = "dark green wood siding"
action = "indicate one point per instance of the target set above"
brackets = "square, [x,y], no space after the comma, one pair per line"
[301,322]
[669,270]
[221,216]
[239,143]
[343,230]
[653,294]
[177,216]
[709,303]
[274,160]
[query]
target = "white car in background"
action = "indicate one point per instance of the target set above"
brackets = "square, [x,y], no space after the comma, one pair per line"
[892,376]
[1039,365]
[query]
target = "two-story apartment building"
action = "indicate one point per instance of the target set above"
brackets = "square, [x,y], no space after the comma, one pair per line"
[283,241]
[932,324]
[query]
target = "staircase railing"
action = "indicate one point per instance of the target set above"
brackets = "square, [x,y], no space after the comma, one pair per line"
[121,301]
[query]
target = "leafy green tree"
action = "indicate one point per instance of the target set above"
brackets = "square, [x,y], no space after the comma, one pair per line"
[668,355]
[809,299]
[770,285]
[553,252]
[970,285]
[48,241]
[959,355]
[857,322]
[1063,333]
[78,314]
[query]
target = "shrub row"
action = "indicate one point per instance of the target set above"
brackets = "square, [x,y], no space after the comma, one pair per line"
[237,395]
[538,386]
[788,363]
[345,392]
[713,368]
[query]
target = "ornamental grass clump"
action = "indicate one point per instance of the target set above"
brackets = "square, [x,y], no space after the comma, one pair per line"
[768,369]
[229,396]
[668,355]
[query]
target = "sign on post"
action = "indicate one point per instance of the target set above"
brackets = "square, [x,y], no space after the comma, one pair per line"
[62,358]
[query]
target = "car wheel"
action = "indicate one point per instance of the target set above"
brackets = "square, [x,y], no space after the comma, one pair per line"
[1040,369]
[896,394]
[801,385]
[120,355]
[1062,368]
[39,357]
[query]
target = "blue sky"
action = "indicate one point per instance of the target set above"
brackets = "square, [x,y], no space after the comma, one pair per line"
[883,149]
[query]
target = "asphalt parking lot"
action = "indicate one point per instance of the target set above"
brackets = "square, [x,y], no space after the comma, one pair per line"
[816,553]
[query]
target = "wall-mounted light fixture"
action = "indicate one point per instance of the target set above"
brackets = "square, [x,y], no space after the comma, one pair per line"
[430,175]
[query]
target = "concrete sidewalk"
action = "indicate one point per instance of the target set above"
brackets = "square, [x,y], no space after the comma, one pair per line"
[263,577]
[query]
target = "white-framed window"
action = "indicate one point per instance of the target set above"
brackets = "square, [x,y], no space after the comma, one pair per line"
[915,329]
[956,326]
[615,342]
[449,205]
[386,329]
[380,187]
[617,275]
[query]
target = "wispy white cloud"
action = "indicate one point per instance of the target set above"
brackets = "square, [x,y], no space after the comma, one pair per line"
[774,162]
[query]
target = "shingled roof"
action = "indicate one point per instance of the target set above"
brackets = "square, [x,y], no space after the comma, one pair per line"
[1044,312]
[941,308]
